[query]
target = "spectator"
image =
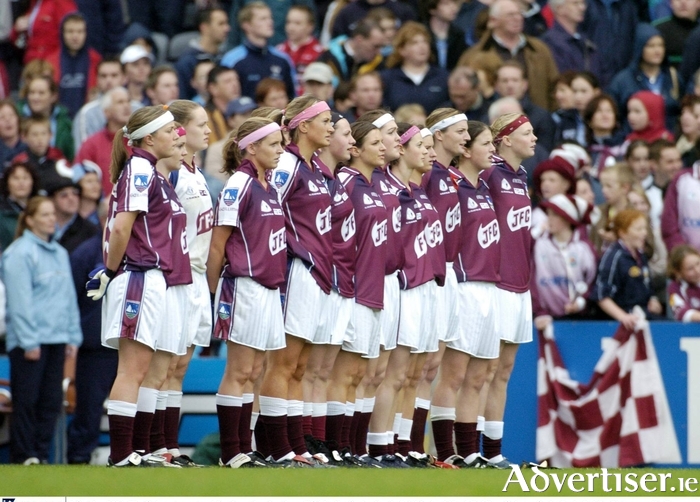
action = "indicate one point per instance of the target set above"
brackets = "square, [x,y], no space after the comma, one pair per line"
[680,220]
[657,255]
[213,29]
[684,290]
[356,55]
[486,64]
[40,95]
[342,102]
[137,63]
[447,40]
[388,23]
[98,148]
[223,87]
[624,280]
[279,9]
[689,124]
[410,75]
[571,49]
[38,29]
[18,184]
[690,60]
[554,176]
[584,86]
[105,25]
[665,162]
[366,94]
[271,92]
[301,46]
[646,118]
[43,328]
[11,143]
[602,19]
[318,81]
[199,81]
[563,93]
[75,64]
[617,181]
[676,28]
[164,16]
[505,39]
[637,157]
[464,94]
[603,134]
[88,177]
[511,81]
[411,113]
[351,15]
[162,86]
[255,59]
[563,262]
[467,19]
[71,228]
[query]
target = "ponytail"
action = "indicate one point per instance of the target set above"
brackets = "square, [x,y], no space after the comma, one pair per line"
[119,156]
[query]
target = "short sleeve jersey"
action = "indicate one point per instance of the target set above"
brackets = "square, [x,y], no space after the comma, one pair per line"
[306,203]
[181,272]
[193,193]
[343,231]
[138,189]
[440,183]
[684,299]
[371,237]
[389,195]
[479,258]
[257,245]
[508,190]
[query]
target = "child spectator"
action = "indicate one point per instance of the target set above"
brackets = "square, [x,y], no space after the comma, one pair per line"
[75,64]
[646,117]
[301,46]
[563,261]
[624,279]
[554,176]
[637,157]
[617,181]
[342,101]
[684,290]
[412,113]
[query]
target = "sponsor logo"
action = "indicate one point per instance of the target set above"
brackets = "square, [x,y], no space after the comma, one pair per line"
[281,178]
[131,309]
[453,219]
[396,219]
[140,182]
[323,221]
[265,207]
[277,241]
[205,221]
[420,246]
[519,218]
[452,189]
[230,196]
[224,311]
[367,200]
[484,205]
[489,234]
[348,228]
[471,204]
[277,212]
[433,234]
[379,233]
[312,187]
[519,191]
[505,185]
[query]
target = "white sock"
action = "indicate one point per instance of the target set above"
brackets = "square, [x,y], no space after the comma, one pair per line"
[349,409]
[307,409]
[146,402]
[405,429]
[422,403]
[121,408]
[319,410]
[335,408]
[230,401]
[376,438]
[368,405]
[480,421]
[441,413]
[493,429]
[162,400]
[397,423]
[295,408]
[174,399]
[273,406]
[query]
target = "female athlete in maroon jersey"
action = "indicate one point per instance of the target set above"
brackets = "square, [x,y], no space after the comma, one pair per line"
[137,253]
[248,242]
[507,183]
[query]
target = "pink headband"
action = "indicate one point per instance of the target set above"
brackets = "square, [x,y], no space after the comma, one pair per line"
[180,132]
[257,135]
[406,137]
[510,128]
[309,113]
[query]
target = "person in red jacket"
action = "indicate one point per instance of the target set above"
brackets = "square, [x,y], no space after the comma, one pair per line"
[38,29]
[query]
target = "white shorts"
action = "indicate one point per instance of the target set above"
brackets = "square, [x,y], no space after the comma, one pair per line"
[339,313]
[447,306]
[133,308]
[431,342]
[364,331]
[199,312]
[515,316]
[478,320]
[248,313]
[415,303]
[174,328]
[306,306]
[391,312]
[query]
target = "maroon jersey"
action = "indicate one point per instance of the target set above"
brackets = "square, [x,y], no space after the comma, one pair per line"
[508,189]
[371,237]
[306,203]
[684,299]
[182,271]
[389,195]
[480,255]
[418,267]
[343,232]
[139,189]
[257,246]
[434,235]
[441,186]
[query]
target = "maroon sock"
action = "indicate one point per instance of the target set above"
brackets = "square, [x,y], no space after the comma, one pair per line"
[158,431]
[354,425]
[394,447]
[277,436]
[466,438]
[492,447]
[245,435]
[142,431]
[318,427]
[307,425]
[442,435]
[479,439]
[377,450]
[121,430]
[418,429]
[345,433]
[172,427]
[261,442]
[334,428]
[229,421]
[403,447]
[295,431]
[361,435]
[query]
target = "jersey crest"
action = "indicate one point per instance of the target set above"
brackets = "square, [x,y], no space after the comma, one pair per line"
[230,196]
[140,182]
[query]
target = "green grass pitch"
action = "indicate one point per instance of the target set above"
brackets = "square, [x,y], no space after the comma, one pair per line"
[101,481]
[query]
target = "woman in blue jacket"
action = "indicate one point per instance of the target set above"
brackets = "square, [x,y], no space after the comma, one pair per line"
[43,326]
[411,78]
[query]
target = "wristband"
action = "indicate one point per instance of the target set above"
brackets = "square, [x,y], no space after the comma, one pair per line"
[109,273]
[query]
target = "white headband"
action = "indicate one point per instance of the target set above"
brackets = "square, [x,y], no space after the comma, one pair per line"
[383,120]
[149,128]
[445,123]
[425,132]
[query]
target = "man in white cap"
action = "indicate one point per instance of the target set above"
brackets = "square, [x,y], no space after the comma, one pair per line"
[318,81]
[137,62]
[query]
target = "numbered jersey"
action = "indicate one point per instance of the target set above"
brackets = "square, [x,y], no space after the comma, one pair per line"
[191,189]
[257,246]
[303,195]
[140,190]
[372,233]
[480,255]
[389,194]
[181,272]
[440,183]
[508,190]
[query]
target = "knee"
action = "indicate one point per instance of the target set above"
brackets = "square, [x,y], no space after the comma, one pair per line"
[299,372]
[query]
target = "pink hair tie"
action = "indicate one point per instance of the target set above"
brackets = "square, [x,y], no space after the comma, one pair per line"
[309,113]
[510,128]
[406,137]
[257,135]
[180,132]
